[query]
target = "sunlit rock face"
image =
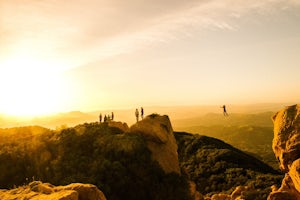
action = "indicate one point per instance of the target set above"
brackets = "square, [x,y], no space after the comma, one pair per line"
[286,146]
[287,191]
[158,133]
[44,191]
[286,142]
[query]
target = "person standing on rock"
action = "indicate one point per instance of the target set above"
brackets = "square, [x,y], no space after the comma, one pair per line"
[100,117]
[112,116]
[142,113]
[137,115]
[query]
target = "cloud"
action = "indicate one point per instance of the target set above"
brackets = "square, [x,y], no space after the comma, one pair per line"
[183,21]
[80,31]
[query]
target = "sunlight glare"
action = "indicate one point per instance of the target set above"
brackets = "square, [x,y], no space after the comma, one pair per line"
[30,87]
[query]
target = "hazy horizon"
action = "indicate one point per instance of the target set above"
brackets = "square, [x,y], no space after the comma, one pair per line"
[209,108]
[95,55]
[179,115]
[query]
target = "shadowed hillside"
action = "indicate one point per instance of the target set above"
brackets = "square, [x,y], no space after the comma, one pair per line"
[216,166]
[252,133]
[252,139]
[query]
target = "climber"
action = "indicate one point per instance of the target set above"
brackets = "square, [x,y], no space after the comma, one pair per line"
[224,110]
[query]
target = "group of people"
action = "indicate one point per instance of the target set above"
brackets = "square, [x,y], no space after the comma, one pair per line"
[137,114]
[141,113]
[106,117]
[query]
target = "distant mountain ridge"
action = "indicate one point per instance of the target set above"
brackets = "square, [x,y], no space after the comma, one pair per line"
[234,119]
[182,116]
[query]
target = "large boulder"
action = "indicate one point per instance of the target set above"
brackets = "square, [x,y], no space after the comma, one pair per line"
[85,191]
[158,133]
[287,191]
[44,191]
[286,142]
[286,146]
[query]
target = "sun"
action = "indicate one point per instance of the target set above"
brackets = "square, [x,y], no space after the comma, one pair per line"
[30,87]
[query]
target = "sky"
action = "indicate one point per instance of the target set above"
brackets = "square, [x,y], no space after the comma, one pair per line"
[58,56]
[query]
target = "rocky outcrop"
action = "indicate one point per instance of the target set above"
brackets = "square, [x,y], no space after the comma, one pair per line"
[287,191]
[194,193]
[122,126]
[44,191]
[158,133]
[286,142]
[237,194]
[286,146]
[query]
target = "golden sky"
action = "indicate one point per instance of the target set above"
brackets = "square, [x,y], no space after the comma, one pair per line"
[58,56]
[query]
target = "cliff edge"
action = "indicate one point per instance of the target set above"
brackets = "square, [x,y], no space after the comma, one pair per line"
[286,146]
[158,133]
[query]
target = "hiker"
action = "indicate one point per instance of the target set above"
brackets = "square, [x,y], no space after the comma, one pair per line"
[224,110]
[100,117]
[142,112]
[105,118]
[137,115]
[112,116]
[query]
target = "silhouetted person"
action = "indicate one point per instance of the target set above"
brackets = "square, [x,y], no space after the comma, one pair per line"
[224,110]
[100,117]
[105,118]
[112,116]
[137,115]
[142,112]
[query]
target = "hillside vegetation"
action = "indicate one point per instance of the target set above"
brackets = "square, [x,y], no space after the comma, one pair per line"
[216,166]
[120,164]
[252,133]
[255,140]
